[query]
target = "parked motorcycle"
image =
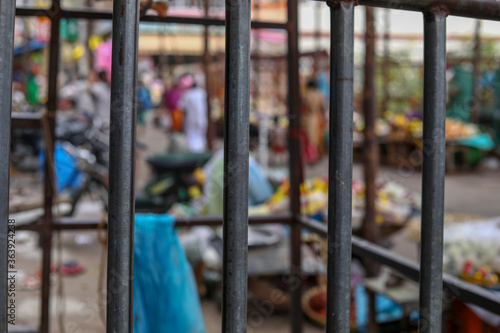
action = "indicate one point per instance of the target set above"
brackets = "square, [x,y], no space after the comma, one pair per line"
[171,177]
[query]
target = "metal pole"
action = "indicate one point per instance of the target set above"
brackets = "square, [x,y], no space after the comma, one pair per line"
[479,9]
[317,37]
[295,165]
[46,233]
[122,166]
[208,82]
[236,140]
[256,62]
[386,62]
[370,228]
[476,102]
[7,12]
[340,167]
[431,262]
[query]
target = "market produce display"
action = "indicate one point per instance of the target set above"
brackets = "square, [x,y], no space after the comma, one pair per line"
[413,125]
[394,203]
[470,250]
[409,126]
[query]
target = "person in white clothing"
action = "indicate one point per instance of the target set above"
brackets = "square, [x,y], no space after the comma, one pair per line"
[194,104]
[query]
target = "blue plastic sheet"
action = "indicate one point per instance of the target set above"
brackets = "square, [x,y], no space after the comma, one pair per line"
[165,292]
[386,309]
[481,141]
[66,168]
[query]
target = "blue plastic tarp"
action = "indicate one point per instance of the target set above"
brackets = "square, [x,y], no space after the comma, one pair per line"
[165,293]
[481,141]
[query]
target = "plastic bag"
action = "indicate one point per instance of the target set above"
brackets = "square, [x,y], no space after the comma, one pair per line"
[165,292]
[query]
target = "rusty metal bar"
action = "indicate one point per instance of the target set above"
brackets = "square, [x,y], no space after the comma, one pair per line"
[481,9]
[46,232]
[72,223]
[386,61]
[295,165]
[206,69]
[122,166]
[370,229]
[7,8]
[105,15]
[340,167]
[476,63]
[236,140]
[434,149]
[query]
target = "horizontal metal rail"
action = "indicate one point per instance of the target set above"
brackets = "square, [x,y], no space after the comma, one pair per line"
[105,15]
[479,9]
[455,287]
[72,223]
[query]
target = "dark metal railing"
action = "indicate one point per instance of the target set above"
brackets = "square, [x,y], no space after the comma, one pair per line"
[340,167]
[236,139]
[7,8]
[122,166]
[340,242]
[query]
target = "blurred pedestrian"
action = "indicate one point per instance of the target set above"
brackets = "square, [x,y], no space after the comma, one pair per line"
[312,118]
[194,104]
[144,104]
[101,95]
[171,100]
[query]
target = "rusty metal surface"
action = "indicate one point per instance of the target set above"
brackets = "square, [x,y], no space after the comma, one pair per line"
[295,164]
[46,233]
[106,15]
[481,9]
[236,152]
[370,230]
[340,167]
[6,57]
[120,273]
[433,171]
[476,64]
[72,223]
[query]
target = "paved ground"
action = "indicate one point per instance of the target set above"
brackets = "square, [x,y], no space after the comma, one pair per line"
[467,193]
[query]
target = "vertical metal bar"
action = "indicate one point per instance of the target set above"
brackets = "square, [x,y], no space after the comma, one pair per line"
[317,36]
[370,149]
[236,140]
[431,262]
[295,165]
[476,97]
[7,13]
[256,60]
[386,61]
[208,85]
[49,172]
[340,167]
[122,166]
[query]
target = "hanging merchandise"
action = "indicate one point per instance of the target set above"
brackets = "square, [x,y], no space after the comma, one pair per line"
[69,30]
[94,42]
[78,51]
[102,59]
[42,30]
[32,91]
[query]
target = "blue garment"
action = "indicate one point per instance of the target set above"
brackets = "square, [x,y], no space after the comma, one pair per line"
[259,188]
[144,99]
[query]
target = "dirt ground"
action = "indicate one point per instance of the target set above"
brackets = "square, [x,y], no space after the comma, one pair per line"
[475,194]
